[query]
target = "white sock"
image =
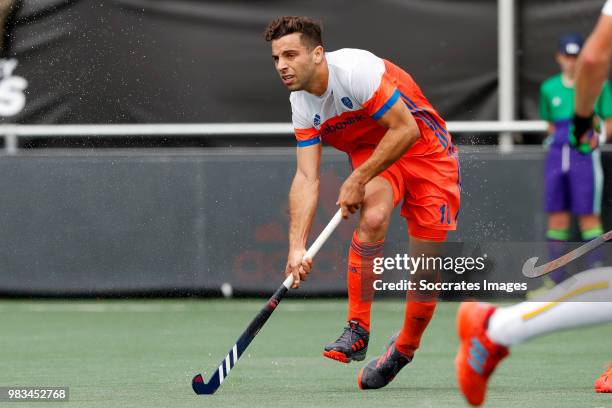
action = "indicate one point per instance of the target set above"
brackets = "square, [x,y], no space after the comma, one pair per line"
[584,299]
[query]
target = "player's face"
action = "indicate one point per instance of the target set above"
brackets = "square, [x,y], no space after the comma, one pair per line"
[567,63]
[295,62]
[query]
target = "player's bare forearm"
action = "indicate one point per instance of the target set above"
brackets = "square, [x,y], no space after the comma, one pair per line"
[390,148]
[402,133]
[593,67]
[303,195]
[303,198]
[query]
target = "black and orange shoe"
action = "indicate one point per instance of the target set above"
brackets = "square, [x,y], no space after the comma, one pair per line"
[382,370]
[351,345]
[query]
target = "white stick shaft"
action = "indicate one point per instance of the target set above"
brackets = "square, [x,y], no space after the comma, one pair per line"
[327,231]
[314,248]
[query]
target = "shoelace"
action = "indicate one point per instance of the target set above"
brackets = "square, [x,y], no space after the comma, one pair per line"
[348,331]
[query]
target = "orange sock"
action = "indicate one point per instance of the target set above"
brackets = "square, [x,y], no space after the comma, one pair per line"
[360,278]
[416,319]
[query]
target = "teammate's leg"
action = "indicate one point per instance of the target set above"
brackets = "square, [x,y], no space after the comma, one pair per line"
[486,332]
[585,299]
[478,355]
[367,244]
[604,382]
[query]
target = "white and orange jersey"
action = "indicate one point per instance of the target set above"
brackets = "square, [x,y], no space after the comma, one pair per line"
[607,8]
[361,88]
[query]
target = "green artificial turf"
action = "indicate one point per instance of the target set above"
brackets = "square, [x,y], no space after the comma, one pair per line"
[144,354]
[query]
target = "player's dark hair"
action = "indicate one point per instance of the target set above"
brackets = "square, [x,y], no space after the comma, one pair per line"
[282,26]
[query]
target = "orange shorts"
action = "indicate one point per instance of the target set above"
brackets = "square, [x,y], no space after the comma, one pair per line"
[430,186]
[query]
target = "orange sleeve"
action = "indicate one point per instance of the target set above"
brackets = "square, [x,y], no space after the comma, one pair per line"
[384,97]
[307,137]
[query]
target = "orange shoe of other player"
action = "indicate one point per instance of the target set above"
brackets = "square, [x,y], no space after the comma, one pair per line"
[604,382]
[478,355]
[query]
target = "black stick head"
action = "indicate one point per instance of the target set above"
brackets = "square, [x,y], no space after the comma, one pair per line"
[201,388]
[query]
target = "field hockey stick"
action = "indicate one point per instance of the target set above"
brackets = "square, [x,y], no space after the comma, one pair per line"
[198,384]
[532,271]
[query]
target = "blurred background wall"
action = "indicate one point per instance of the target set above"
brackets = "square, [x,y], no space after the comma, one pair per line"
[177,218]
[206,61]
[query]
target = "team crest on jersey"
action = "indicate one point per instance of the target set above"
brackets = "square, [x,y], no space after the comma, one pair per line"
[347,102]
[317,120]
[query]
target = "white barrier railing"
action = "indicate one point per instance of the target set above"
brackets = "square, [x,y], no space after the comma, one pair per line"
[13,132]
